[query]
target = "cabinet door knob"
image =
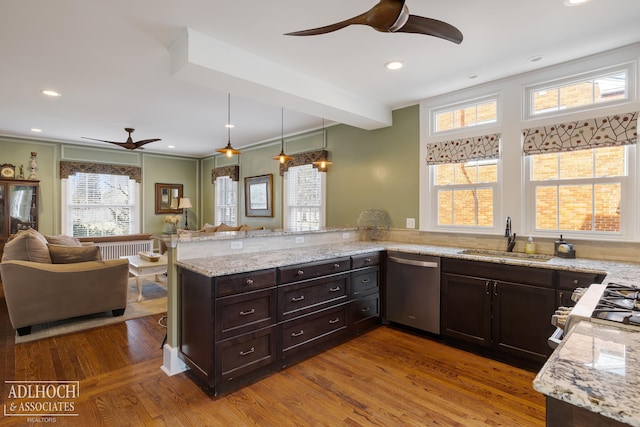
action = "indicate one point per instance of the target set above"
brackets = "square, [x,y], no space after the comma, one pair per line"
[297,334]
[296,299]
[249,282]
[300,272]
[576,281]
[336,266]
[248,352]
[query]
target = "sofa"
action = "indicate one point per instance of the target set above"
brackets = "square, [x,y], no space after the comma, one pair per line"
[49,278]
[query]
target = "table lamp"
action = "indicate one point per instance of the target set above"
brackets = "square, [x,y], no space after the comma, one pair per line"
[185,203]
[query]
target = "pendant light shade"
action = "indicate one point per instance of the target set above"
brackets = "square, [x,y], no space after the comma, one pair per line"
[323,162]
[282,157]
[228,150]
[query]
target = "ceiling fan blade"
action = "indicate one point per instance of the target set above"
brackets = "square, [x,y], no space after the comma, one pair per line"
[431,27]
[327,28]
[102,140]
[145,141]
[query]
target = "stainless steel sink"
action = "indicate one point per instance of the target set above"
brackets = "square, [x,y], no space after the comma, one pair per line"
[505,254]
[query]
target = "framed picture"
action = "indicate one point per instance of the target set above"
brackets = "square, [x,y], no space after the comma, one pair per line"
[8,171]
[258,195]
[167,198]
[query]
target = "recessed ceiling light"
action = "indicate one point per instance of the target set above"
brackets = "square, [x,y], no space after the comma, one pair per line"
[36,130]
[229,126]
[393,65]
[171,146]
[535,58]
[574,2]
[51,93]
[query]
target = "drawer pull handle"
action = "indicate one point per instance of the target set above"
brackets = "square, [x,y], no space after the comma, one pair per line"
[486,287]
[248,352]
[246,313]
[364,281]
[300,273]
[249,282]
[364,309]
[336,266]
[336,289]
[334,321]
[297,334]
[296,299]
[367,260]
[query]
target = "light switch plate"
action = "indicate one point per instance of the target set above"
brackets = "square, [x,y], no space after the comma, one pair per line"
[411,223]
[299,239]
[236,245]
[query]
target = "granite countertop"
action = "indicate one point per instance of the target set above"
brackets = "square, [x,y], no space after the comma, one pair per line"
[596,367]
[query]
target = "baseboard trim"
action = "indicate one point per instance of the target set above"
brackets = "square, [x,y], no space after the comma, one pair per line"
[171,364]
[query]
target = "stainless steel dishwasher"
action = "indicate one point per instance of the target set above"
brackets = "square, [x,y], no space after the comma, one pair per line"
[413,290]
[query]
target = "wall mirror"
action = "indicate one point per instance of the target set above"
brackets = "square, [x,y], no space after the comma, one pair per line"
[167,198]
[258,195]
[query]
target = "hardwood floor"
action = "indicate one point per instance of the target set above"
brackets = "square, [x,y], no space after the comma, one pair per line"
[386,377]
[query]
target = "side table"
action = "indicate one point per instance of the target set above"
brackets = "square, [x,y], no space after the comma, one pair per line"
[139,267]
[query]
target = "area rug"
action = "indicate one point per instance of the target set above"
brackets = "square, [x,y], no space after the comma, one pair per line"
[155,302]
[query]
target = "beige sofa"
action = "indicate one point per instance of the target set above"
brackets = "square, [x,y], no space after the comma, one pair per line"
[45,281]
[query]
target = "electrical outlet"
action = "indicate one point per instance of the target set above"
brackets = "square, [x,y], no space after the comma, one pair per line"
[236,245]
[346,235]
[299,239]
[411,223]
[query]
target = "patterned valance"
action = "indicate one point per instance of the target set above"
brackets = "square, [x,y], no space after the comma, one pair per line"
[464,150]
[304,159]
[68,169]
[232,172]
[609,131]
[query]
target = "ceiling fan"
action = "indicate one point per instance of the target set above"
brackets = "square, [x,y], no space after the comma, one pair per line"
[128,144]
[392,16]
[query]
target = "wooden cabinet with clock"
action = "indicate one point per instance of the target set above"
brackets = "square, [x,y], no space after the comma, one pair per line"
[18,207]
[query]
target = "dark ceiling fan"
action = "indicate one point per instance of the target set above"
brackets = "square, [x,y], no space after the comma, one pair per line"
[128,144]
[392,16]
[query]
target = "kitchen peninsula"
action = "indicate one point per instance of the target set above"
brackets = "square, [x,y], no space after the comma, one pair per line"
[260,252]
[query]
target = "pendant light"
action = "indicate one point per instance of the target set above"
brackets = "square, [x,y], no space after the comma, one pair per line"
[282,158]
[323,162]
[228,150]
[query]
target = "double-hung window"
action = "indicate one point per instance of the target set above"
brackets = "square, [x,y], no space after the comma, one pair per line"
[98,204]
[304,198]
[226,201]
[579,175]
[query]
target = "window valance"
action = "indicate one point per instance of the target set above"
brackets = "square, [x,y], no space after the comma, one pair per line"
[303,159]
[464,150]
[68,169]
[232,172]
[608,131]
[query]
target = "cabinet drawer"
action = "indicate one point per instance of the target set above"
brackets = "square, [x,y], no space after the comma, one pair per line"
[569,280]
[501,272]
[243,282]
[299,272]
[365,260]
[243,354]
[302,298]
[365,281]
[245,312]
[365,308]
[309,330]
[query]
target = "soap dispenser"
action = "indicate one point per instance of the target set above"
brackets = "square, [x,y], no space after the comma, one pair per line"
[530,247]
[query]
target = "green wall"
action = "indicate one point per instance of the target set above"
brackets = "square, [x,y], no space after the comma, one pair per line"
[371,169]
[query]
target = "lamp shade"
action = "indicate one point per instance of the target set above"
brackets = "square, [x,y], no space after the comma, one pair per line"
[185,203]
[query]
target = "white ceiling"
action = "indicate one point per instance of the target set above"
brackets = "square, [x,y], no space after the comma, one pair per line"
[124,63]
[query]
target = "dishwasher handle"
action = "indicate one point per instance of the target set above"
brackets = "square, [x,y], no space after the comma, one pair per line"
[427,264]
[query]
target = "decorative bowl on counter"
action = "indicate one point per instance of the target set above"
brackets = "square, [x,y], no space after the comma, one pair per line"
[149,256]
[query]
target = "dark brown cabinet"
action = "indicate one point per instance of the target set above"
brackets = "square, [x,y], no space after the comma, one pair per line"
[18,207]
[236,328]
[568,281]
[504,308]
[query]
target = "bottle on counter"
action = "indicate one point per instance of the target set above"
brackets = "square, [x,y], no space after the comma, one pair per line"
[530,247]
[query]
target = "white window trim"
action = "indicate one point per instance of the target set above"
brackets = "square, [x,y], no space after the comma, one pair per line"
[323,203]
[631,91]
[217,216]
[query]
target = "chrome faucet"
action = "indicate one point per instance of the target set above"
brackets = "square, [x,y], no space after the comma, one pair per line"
[511,242]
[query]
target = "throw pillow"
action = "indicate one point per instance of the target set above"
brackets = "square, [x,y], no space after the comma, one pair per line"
[62,240]
[208,228]
[61,254]
[225,227]
[27,245]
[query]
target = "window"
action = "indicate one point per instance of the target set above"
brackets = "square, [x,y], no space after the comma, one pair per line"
[466,193]
[226,201]
[304,198]
[579,191]
[459,116]
[99,205]
[580,92]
